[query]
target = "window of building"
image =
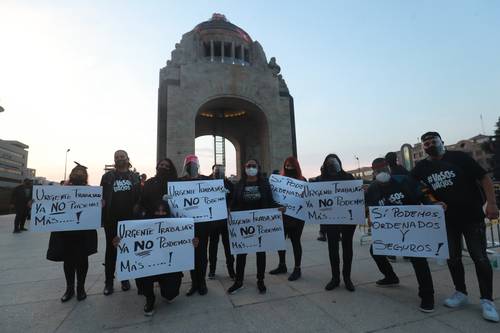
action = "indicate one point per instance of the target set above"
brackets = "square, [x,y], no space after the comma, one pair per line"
[206,49]
[217,49]
[246,55]
[227,50]
[238,53]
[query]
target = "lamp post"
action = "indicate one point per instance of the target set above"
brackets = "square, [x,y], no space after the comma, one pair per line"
[359,166]
[66,163]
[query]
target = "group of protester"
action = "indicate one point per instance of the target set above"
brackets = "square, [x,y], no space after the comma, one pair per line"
[448,178]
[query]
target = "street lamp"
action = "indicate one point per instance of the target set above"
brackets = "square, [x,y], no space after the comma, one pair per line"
[66,163]
[359,166]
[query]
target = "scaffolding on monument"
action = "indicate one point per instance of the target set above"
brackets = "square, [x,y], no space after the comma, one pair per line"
[219,150]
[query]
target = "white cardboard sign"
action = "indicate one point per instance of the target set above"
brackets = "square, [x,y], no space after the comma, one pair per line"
[152,247]
[411,231]
[289,193]
[64,208]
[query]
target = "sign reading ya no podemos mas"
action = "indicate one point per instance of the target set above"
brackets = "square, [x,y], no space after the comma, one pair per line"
[63,208]
[412,231]
[253,231]
[203,200]
[289,192]
[152,247]
[335,202]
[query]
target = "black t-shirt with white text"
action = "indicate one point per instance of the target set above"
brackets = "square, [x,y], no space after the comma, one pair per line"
[454,181]
[123,196]
[394,193]
[251,196]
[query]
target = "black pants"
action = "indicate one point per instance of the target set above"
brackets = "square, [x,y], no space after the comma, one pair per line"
[169,285]
[80,266]
[219,230]
[422,272]
[475,238]
[202,232]
[293,230]
[241,260]
[20,219]
[110,257]
[334,234]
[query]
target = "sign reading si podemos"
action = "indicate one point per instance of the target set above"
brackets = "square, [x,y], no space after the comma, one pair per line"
[152,247]
[410,231]
[203,200]
[64,208]
[336,202]
[253,231]
[288,192]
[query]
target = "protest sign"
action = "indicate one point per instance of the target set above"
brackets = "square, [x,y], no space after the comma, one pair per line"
[152,247]
[288,192]
[203,200]
[411,231]
[253,231]
[63,208]
[335,202]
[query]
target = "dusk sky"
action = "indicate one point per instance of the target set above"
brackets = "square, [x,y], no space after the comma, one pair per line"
[366,76]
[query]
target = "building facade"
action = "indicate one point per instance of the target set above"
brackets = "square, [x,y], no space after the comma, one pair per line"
[219,82]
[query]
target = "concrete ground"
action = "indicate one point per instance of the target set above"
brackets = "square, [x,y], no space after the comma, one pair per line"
[30,288]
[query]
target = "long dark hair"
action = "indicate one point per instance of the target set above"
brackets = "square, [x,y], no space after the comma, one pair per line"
[293,161]
[173,170]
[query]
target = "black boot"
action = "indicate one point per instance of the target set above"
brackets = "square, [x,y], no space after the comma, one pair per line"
[230,272]
[334,283]
[281,269]
[192,290]
[348,283]
[108,288]
[80,293]
[70,292]
[295,274]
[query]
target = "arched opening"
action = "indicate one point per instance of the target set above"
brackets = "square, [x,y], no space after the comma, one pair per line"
[204,149]
[240,121]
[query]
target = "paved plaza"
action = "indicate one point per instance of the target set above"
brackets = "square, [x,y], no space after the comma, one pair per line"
[30,288]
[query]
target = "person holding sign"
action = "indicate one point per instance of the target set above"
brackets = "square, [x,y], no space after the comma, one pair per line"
[121,192]
[201,231]
[331,170]
[219,230]
[252,192]
[170,283]
[156,187]
[74,247]
[293,226]
[385,190]
[459,182]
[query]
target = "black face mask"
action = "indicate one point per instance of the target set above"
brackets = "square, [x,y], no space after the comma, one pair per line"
[292,173]
[218,174]
[163,172]
[192,169]
[330,169]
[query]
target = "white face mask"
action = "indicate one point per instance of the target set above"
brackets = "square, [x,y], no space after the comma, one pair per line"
[251,172]
[383,177]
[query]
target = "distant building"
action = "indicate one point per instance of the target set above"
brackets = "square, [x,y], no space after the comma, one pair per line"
[14,163]
[365,173]
[13,169]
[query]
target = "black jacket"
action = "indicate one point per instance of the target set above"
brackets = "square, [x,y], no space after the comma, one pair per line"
[153,191]
[20,198]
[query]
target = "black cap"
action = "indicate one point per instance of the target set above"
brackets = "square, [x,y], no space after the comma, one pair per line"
[429,135]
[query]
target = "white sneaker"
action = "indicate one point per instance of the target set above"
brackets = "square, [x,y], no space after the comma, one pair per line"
[489,311]
[456,300]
